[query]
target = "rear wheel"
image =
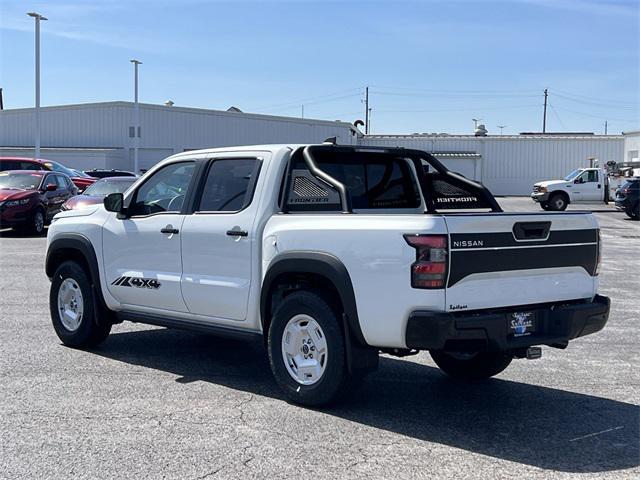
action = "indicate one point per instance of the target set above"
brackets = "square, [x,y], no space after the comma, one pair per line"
[471,366]
[71,302]
[558,202]
[633,214]
[307,350]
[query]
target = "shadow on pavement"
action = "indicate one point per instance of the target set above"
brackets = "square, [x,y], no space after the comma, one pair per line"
[543,427]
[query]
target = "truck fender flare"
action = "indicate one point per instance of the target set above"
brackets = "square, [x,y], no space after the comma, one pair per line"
[81,244]
[319,263]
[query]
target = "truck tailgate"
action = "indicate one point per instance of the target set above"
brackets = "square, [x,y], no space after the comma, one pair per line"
[508,259]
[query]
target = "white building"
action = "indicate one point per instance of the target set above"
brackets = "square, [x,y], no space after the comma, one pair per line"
[101,135]
[510,164]
[632,146]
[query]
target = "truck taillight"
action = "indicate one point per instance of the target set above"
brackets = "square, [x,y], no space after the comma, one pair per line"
[431,265]
[599,258]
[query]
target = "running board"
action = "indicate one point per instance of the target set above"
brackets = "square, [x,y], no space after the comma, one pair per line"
[184,324]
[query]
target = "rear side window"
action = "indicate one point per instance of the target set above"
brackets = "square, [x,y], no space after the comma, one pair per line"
[229,186]
[373,180]
[9,165]
[29,166]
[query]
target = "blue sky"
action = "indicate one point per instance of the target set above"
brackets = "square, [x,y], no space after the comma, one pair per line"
[431,66]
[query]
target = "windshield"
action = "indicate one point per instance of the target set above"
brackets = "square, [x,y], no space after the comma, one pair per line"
[573,175]
[56,167]
[107,185]
[24,181]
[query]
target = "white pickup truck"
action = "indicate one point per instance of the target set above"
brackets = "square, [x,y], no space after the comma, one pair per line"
[331,255]
[592,185]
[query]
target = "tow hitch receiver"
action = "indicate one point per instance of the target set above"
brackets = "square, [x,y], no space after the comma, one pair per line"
[530,353]
[534,353]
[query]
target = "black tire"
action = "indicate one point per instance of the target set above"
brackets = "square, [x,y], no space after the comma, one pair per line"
[476,366]
[91,330]
[36,223]
[558,202]
[335,379]
[544,205]
[633,215]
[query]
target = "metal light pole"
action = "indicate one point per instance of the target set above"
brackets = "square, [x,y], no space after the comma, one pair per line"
[37,17]
[136,115]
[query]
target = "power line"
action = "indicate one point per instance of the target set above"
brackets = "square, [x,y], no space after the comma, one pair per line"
[470,109]
[601,117]
[595,103]
[315,99]
[593,99]
[555,112]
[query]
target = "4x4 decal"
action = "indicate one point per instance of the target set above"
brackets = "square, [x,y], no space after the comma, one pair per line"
[137,282]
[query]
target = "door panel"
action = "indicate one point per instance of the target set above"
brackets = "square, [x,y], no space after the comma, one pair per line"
[218,240]
[142,253]
[143,264]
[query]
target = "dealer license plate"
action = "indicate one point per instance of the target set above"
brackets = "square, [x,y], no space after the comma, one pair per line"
[522,324]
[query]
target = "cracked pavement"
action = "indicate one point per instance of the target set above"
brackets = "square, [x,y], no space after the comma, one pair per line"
[156,403]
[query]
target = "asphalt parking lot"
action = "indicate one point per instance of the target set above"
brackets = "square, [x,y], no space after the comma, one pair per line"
[156,403]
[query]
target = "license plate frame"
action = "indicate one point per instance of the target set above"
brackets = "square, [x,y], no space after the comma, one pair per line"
[522,323]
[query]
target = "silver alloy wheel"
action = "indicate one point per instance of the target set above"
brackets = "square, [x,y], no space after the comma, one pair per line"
[70,304]
[38,221]
[304,349]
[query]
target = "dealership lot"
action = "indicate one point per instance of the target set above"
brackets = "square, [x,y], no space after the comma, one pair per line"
[156,403]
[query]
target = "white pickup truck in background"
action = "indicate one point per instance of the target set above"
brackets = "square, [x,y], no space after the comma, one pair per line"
[330,255]
[584,185]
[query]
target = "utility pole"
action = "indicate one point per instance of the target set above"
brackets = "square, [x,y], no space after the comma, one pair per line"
[366,110]
[302,111]
[136,114]
[605,127]
[37,17]
[544,115]
[500,127]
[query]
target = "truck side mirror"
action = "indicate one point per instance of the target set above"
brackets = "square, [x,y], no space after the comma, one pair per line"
[578,180]
[51,187]
[114,202]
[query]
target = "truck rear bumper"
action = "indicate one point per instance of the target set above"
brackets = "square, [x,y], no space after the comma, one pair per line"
[492,330]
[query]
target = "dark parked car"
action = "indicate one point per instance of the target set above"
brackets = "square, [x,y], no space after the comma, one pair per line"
[96,192]
[103,173]
[628,198]
[30,198]
[20,163]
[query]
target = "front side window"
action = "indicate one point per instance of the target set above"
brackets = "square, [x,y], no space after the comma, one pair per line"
[61,181]
[229,185]
[164,191]
[588,176]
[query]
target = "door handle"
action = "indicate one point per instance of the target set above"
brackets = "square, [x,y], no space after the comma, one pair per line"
[170,230]
[237,233]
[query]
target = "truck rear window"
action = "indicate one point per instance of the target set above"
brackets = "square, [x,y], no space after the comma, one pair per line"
[373,180]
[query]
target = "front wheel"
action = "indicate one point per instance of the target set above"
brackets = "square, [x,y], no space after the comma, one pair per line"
[544,205]
[558,202]
[471,366]
[71,302]
[36,224]
[307,350]
[633,214]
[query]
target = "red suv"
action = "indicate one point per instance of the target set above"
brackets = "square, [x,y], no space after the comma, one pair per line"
[30,198]
[20,163]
